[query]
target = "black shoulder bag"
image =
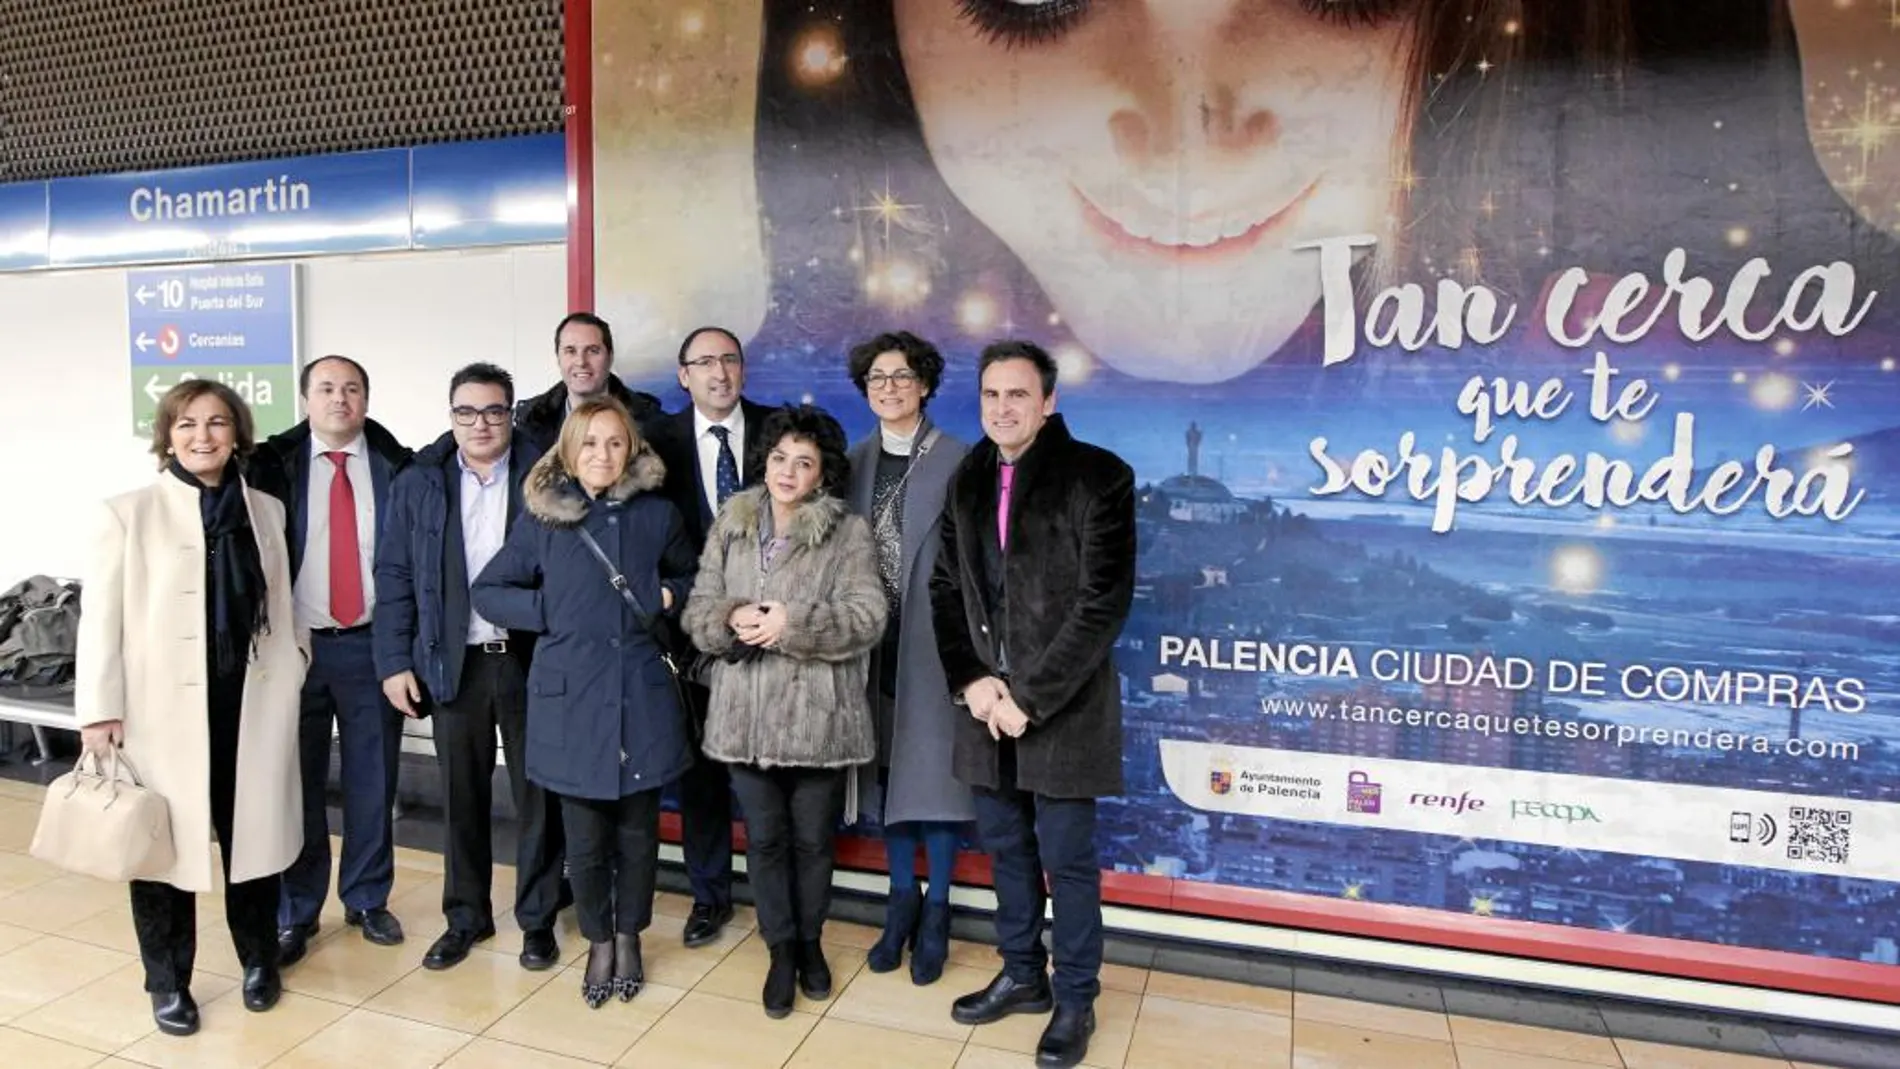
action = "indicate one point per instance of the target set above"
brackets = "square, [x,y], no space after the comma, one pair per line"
[651,625]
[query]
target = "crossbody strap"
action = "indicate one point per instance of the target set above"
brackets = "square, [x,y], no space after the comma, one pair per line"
[647,621]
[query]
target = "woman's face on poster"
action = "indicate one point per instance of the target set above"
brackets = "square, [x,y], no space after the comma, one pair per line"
[1154,162]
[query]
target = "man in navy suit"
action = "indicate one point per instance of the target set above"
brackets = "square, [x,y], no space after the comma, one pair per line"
[706,448]
[449,514]
[333,472]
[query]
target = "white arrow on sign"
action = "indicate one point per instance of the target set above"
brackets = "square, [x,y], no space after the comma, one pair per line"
[144,341]
[143,295]
[153,389]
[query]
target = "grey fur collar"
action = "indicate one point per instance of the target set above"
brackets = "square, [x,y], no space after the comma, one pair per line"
[812,522]
[556,499]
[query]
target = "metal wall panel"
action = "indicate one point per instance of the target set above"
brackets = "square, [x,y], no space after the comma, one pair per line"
[101,86]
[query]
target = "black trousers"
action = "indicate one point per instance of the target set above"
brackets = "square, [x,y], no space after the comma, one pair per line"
[493,695]
[1027,835]
[165,918]
[613,855]
[705,800]
[790,816]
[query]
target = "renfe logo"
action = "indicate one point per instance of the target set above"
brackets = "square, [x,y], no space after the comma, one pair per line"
[1564,811]
[1459,803]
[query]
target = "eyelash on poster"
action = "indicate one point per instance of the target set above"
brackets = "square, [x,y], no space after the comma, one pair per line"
[1028,23]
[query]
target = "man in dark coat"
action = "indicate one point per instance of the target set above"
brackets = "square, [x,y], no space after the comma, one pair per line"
[1031,589]
[706,447]
[584,352]
[333,473]
[449,514]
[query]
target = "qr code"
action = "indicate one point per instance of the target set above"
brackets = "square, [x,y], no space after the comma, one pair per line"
[1819,834]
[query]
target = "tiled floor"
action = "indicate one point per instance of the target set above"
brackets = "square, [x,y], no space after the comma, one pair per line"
[70,995]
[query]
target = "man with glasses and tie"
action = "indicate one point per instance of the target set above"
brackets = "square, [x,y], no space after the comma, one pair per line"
[449,514]
[333,472]
[705,448]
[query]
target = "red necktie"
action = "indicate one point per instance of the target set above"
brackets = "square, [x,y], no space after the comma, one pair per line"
[346,566]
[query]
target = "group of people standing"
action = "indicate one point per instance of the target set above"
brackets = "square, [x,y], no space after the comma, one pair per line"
[729,600]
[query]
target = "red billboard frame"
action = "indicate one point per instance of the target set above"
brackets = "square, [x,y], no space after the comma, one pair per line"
[1658,955]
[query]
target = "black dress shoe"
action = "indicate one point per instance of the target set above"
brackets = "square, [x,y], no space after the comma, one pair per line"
[452,948]
[539,951]
[1066,1039]
[1003,997]
[379,925]
[263,985]
[175,1012]
[705,924]
[293,942]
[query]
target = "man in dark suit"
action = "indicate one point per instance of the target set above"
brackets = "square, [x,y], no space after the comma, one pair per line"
[706,449]
[1031,589]
[333,472]
[584,352]
[449,514]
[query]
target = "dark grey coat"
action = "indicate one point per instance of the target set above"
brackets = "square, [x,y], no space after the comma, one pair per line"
[921,784]
[802,705]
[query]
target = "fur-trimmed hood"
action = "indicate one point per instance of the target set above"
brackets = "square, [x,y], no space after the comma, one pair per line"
[812,522]
[556,499]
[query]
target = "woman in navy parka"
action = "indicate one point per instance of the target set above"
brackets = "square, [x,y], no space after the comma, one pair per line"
[605,730]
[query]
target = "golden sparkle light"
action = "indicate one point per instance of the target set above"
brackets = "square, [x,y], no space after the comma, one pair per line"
[1483,905]
[897,283]
[886,209]
[818,56]
[692,23]
[1354,891]
[1773,392]
[1074,364]
[1737,236]
[976,312]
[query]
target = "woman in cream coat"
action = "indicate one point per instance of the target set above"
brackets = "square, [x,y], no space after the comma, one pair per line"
[190,660]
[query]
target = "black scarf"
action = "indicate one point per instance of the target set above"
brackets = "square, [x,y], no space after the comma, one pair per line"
[236,602]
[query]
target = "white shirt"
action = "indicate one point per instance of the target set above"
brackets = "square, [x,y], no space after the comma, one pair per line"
[313,579]
[709,451]
[484,529]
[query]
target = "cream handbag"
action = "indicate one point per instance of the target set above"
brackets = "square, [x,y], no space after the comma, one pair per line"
[98,823]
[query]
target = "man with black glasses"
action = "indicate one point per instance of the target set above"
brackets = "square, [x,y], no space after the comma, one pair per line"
[450,512]
[705,447]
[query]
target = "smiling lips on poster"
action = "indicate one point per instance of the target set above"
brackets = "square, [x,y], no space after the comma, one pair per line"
[1514,393]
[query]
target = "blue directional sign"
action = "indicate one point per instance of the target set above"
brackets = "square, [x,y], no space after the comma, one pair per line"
[350,202]
[500,192]
[22,225]
[236,323]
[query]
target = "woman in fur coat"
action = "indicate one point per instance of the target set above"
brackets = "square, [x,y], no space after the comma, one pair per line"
[789,601]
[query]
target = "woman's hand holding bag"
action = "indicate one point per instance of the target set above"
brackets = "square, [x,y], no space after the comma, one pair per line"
[99,823]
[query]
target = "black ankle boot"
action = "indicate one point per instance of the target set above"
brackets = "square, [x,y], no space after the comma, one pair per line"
[900,930]
[174,1012]
[781,981]
[629,972]
[814,972]
[932,948]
